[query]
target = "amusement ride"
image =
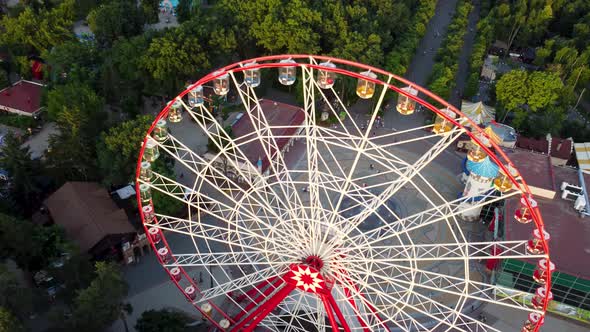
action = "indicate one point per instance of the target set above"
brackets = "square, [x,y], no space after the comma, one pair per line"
[306,218]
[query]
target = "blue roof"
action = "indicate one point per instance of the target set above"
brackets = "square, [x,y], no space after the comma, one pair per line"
[486,168]
[506,133]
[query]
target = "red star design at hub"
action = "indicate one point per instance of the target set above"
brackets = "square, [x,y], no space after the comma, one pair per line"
[307,279]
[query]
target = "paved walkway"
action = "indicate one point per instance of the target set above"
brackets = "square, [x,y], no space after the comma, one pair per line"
[39,142]
[421,66]
[508,320]
[465,57]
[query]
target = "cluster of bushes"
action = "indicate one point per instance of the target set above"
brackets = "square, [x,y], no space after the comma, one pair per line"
[398,60]
[442,79]
[484,37]
[17,121]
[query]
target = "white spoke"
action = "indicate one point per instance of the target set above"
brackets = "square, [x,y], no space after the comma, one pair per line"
[457,286]
[448,252]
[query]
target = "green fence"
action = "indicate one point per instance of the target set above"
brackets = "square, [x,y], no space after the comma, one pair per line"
[566,288]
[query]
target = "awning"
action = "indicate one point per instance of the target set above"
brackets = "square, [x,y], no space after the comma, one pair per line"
[583,155]
[126,192]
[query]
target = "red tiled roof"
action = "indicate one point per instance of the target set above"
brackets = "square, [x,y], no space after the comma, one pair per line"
[537,145]
[570,235]
[87,213]
[277,114]
[560,148]
[24,96]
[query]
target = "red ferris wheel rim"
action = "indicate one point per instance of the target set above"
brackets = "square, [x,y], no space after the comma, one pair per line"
[495,153]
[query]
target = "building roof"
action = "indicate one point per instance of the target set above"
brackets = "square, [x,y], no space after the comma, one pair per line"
[277,114]
[500,44]
[87,213]
[536,170]
[24,97]
[501,131]
[570,234]
[486,168]
[560,147]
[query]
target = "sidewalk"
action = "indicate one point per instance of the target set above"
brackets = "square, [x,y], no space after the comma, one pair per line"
[166,295]
[507,320]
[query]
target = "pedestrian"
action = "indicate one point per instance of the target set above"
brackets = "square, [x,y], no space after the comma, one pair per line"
[181,175]
[374,133]
[371,166]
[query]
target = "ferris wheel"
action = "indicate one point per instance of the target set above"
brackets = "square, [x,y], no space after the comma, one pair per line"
[309,214]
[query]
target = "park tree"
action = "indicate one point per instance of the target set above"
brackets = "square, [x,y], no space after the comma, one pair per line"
[38,32]
[162,320]
[115,19]
[73,61]
[31,246]
[543,89]
[76,273]
[25,173]
[83,8]
[122,78]
[533,98]
[71,153]
[4,80]
[150,10]
[174,57]
[80,117]
[187,9]
[511,89]
[15,298]
[100,304]
[264,23]
[118,149]
[80,96]
[9,323]
[364,49]
[294,35]
[222,44]
[443,83]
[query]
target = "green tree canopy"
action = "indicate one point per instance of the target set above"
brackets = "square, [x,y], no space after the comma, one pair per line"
[118,150]
[511,89]
[24,173]
[99,305]
[76,273]
[79,96]
[73,61]
[9,323]
[114,20]
[31,246]
[150,10]
[162,321]
[175,57]
[536,90]
[122,78]
[14,298]
[80,117]
[543,89]
[30,31]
